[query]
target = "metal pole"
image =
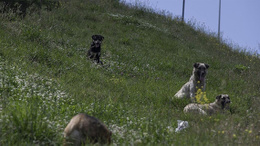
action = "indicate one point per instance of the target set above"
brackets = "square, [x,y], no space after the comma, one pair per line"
[183,7]
[219,15]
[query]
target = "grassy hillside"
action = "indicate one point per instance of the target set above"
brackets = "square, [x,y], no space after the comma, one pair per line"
[45,78]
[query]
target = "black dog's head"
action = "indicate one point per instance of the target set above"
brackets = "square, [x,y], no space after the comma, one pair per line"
[97,40]
[223,100]
[200,70]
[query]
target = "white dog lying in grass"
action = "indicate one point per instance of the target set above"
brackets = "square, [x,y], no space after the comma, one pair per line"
[220,105]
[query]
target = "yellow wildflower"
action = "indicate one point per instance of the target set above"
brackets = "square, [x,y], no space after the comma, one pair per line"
[216,120]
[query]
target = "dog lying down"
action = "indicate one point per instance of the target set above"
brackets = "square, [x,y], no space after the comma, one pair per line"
[220,105]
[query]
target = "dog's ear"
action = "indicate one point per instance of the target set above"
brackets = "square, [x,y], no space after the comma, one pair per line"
[207,66]
[94,37]
[196,65]
[218,97]
[102,38]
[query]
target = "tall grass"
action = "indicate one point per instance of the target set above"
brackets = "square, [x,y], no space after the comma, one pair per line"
[45,78]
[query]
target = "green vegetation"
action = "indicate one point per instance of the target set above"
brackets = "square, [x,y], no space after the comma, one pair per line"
[45,78]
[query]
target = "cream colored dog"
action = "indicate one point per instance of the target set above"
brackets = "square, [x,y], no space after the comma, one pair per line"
[197,81]
[221,104]
[82,128]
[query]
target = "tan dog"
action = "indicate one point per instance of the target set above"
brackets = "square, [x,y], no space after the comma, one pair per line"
[221,104]
[197,81]
[84,128]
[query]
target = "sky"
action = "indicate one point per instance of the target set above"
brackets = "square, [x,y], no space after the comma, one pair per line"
[239,24]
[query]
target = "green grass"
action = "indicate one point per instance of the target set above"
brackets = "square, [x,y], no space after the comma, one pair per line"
[45,78]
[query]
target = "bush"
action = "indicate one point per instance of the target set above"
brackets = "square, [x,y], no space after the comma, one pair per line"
[20,7]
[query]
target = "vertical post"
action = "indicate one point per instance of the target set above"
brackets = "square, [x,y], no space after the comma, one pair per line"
[219,15]
[183,9]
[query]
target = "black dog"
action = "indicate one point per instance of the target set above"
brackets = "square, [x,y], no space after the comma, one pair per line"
[95,49]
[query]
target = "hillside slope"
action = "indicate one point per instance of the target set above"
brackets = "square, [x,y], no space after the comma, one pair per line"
[46,78]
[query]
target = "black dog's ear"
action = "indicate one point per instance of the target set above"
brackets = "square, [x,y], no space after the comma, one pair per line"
[196,65]
[207,66]
[218,97]
[94,37]
[102,37]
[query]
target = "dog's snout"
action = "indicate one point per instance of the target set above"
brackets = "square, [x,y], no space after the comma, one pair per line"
[202,73]
[228,100]
[97,42]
